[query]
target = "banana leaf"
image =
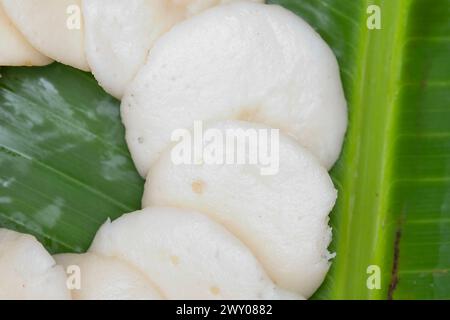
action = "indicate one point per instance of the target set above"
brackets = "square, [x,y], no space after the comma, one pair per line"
[65,168]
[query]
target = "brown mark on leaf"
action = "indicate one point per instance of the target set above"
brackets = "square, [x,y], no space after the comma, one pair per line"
[394,273]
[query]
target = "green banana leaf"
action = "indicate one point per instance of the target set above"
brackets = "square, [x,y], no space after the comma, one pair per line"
[65,168]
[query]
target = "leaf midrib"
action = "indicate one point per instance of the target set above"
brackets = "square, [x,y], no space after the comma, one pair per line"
[368,213]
